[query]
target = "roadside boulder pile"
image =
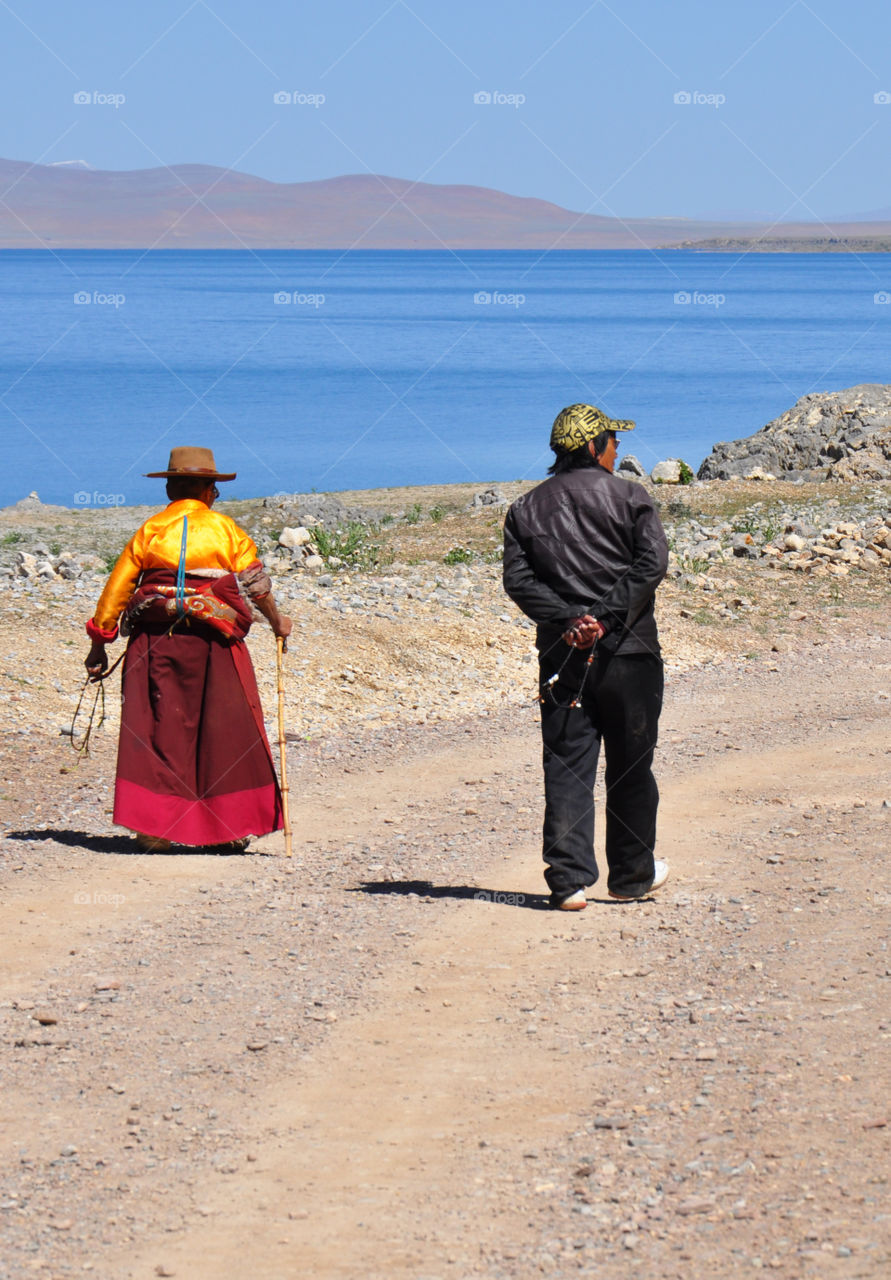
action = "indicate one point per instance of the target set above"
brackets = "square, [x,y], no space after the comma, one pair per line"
[295,550]
[812,539]
[491,497]
[835,549]
[830,435]
[39,564]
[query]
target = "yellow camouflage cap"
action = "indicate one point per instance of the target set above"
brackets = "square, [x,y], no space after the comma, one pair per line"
[579,423]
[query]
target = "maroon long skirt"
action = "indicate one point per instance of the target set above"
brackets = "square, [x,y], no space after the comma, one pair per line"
[194,764]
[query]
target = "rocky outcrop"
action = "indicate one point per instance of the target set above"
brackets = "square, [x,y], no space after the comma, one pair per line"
[832,435]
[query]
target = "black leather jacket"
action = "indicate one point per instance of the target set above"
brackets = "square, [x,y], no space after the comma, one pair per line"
[587,541]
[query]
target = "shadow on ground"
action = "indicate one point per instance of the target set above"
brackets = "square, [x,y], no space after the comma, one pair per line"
[426,889]
[502,898]
[123,844]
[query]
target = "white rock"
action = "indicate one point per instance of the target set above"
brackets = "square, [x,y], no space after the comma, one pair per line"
[667,472]
[293,538]
[794,542]
[26,565]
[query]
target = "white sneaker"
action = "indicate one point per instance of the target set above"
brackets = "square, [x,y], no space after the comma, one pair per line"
[661,875]
[576,901]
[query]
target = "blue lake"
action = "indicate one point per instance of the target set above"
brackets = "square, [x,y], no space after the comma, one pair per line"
[331,371]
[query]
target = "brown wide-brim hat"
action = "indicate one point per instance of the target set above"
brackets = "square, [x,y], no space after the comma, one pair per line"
[193,461]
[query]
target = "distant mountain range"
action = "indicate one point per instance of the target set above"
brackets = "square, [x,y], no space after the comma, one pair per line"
[193,206]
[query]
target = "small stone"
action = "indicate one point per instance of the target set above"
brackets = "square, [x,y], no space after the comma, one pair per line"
[68,1150]
[696,1204]
[256,1045]
[161,1270]
[107,984]
[45,1017]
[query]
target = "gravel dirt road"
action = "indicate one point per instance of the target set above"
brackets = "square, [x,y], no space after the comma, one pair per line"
[386,1058]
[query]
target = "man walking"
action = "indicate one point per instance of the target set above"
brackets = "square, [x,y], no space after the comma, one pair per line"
[583,554]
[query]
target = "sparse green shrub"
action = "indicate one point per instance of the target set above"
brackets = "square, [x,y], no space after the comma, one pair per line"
[354,545]
[413,514]
[686,476]
[458,555]
[11,538]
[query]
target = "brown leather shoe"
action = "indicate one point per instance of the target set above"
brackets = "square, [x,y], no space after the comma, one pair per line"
[152,844]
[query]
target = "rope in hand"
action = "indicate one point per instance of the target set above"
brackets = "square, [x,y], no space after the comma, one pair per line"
[83,748]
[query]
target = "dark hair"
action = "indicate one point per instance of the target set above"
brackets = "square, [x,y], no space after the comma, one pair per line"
[580,457]
[179,487]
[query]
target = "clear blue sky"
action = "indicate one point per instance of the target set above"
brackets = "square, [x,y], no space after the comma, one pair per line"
[799,132]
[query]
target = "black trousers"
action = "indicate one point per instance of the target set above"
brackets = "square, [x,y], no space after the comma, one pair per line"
[620,704]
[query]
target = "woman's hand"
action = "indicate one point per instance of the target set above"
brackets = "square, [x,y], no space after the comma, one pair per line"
[96,662]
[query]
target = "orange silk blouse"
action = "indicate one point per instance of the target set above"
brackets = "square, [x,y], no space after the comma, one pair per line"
[214,542]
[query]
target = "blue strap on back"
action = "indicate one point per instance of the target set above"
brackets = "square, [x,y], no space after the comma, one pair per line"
[181,572]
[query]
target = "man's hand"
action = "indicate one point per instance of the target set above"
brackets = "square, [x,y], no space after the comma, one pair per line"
[96,662]
[583,632]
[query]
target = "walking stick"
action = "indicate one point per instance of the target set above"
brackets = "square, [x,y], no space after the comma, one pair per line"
[279,650]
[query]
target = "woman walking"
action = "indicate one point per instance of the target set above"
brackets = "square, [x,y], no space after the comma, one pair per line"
[194,765]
